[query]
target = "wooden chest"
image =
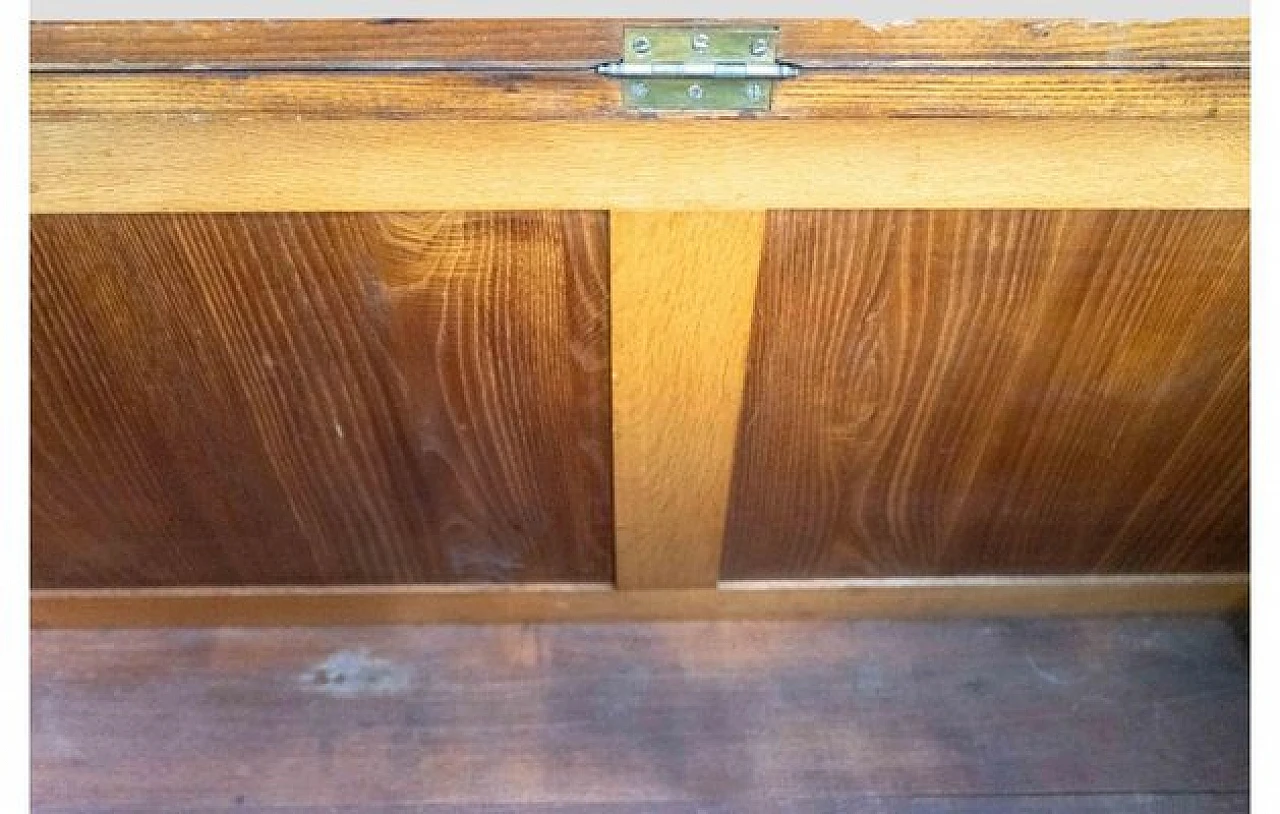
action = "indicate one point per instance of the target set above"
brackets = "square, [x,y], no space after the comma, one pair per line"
[387,320]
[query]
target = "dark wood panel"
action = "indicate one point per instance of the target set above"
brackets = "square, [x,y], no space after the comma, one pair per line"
[586,42]
[319,399]
[980,392]
[726,717]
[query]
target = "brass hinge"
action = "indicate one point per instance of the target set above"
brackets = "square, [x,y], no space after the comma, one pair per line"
[702,68]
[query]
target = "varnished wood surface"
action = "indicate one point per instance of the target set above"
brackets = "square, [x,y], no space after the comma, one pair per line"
[543,69]
[776,599]
[525,42]
[835,42]
[319,399]
[683,289]
[1041,716]
[174,164]
[575,96]
[995,392]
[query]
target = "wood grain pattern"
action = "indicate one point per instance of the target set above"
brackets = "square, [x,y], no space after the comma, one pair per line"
[214,43]
[1050,93]
[742,717]
[332,94]
[937,393]
[581,42]
[1052,41]
[683,288]
[319,399]
[156,163]
[563,95]
[797,599]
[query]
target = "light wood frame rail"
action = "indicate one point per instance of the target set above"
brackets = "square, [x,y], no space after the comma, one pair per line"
[806,599]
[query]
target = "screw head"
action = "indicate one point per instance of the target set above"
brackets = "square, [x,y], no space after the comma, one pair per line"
[695,92]
[641,45]
[755,92]
[701,42]
[759,47]
[639,90]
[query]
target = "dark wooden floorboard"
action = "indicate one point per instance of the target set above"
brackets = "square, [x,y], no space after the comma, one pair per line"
[1071,716]
[1021,804]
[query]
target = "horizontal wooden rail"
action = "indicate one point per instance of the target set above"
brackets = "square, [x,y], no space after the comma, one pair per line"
[204,43]
[583,95]
[198,164]
[823,599]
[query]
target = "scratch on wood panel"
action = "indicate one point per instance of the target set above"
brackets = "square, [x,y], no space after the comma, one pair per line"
[1043,673]
[355,674]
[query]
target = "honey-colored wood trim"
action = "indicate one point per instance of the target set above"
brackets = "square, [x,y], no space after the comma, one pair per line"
[682,292]
[194,164]
[908,598]
[155,44]
[583,95]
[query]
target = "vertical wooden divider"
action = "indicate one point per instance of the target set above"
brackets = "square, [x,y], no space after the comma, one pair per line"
[682,295]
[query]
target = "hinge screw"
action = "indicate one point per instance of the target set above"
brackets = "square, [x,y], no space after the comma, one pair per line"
[701,42]
[759,47]
[641,45]
[695,91]
[754,92]
[639,90]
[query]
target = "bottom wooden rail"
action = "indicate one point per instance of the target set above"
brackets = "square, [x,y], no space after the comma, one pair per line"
[807,599]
